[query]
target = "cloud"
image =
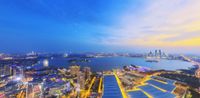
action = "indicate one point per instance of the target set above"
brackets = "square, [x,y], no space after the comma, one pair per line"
[159,23]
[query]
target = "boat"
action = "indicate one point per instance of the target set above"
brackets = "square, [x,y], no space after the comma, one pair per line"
[152,59]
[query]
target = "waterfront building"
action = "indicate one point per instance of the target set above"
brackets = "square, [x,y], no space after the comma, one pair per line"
[32,53]
[156,53]
[150,54]
[160,53]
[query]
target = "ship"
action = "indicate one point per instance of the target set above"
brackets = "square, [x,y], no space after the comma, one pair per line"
[152,59]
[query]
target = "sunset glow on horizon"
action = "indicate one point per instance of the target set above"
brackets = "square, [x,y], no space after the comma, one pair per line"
[102,25]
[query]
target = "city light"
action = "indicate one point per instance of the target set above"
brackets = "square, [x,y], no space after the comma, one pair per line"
[19,78]
[100,49]
[46,63]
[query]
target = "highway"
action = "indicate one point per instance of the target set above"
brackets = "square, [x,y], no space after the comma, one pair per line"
[190,60]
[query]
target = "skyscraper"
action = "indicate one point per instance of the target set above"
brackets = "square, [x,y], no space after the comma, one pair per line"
[87,72]
[5,70]
[29,91]
[81,80]
[160,53]
[156,53]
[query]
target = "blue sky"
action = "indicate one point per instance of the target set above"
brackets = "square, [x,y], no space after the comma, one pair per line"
[99,25]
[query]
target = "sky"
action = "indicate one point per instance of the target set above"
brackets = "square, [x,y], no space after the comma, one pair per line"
[100,25]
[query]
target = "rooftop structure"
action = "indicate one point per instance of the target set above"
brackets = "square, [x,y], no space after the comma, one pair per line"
[111,88]
[137,94]
[156,87]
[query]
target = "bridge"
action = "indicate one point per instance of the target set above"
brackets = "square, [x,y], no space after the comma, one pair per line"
[197,73]
[190,60]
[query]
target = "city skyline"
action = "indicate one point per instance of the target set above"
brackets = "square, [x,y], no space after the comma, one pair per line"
[101,25]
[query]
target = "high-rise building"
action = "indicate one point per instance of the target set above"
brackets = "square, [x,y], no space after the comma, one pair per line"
[14,72]
[150,54]
[156,53]
[5,70]
[87,72]
[81,80]
[34,91]
[29,91]
[160,53]
[74,70]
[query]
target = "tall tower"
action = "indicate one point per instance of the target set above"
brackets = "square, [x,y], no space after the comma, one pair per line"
[160,53]
[150,54]
[156,53]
